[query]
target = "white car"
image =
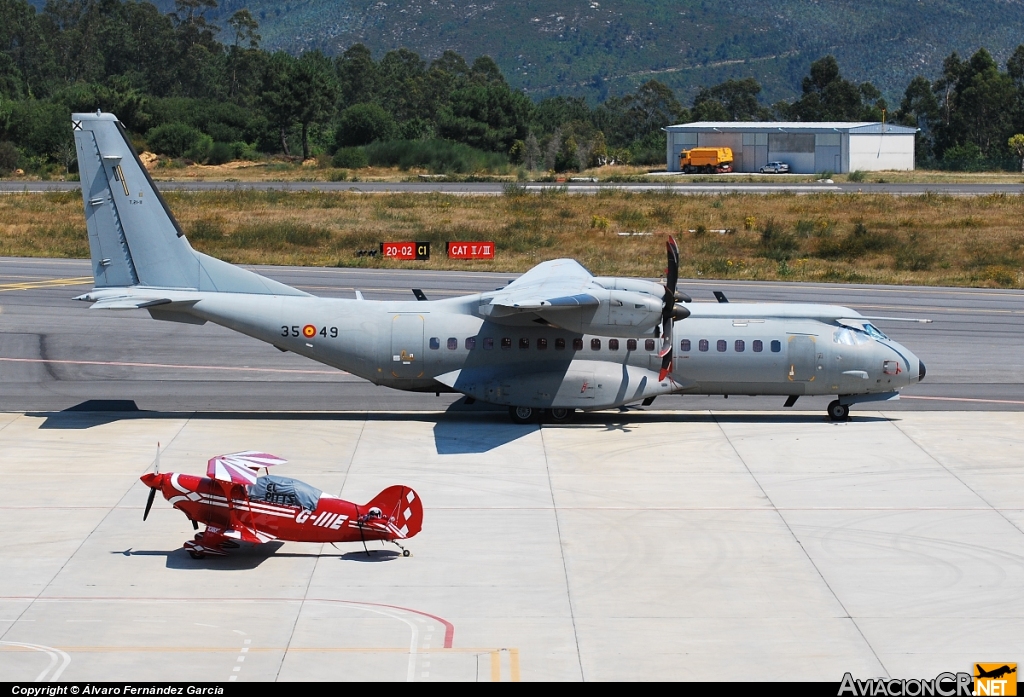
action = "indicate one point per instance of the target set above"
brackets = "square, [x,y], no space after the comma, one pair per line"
[775,168]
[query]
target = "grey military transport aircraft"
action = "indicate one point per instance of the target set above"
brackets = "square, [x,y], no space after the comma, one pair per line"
[554,341]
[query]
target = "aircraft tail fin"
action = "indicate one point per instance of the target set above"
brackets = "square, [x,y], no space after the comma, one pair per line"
[134,239]
[401,507]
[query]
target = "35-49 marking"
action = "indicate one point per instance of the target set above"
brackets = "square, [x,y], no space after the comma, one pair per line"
[309,331]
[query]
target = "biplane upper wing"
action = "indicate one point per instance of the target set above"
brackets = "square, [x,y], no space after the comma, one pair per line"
[240,468]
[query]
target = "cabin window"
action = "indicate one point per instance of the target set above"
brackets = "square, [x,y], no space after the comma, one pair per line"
[435,343]
[776,346]
[470,343]
[488,343]
[758,346]
[524,343]
[684,345]
[595,344]
[703,345]
[648,344]
[542,344]
[559,344]
[453,343]
[577,344]
[721,345]
[506,342]
[740,346]
[631,344]
[613,344]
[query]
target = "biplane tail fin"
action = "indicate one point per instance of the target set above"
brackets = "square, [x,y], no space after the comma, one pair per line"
[402,508]
[134,239]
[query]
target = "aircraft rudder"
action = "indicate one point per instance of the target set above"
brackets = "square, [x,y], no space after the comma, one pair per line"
[402,506]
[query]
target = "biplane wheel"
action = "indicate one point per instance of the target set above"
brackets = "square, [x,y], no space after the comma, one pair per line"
[560,416]
[838,411]
[406,553]
[196,555]
[522,415]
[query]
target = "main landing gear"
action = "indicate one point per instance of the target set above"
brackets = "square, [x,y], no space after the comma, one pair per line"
[525,415]
[837,411]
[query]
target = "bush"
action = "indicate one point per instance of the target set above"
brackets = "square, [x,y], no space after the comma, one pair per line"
[200,150]
[362,124]
[350,158]
[963,158]
[439,156]
[173,139]
[220,153]
[856,176]
[9,156]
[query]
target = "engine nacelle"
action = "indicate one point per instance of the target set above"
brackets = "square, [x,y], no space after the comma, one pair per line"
[619,313]
[636,285]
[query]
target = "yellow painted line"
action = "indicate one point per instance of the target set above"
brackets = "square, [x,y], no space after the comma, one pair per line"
[495,666]
[51,283]
[513,659]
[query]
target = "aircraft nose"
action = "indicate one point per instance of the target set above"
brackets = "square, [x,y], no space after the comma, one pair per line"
[921,370]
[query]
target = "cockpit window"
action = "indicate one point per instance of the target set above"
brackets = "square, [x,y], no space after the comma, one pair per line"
[873,331]
[847,336]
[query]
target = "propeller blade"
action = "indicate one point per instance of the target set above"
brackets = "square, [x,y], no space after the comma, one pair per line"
[149,503]
[672,273]
[195,525]
[669,310]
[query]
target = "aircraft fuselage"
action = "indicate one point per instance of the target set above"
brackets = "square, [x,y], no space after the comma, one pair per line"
[445,345]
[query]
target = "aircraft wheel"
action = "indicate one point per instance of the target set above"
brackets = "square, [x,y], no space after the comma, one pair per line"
[406,553]
[196,555]
[560,416]
[522,415]
[837,411]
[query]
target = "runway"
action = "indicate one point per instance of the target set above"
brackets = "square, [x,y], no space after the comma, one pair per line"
[55,353]
[656,546]
[498,188]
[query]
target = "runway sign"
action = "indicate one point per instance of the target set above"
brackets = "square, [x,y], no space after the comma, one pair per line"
[406,251]
[470,250]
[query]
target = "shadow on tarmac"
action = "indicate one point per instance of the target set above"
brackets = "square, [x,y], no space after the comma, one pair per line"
[461,429]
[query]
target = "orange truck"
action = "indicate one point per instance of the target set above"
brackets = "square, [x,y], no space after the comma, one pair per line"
[706,160]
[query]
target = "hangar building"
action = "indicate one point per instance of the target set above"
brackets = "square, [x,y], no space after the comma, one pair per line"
[807,147]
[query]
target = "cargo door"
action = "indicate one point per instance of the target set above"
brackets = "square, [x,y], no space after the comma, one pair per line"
[802,358]
[407,346]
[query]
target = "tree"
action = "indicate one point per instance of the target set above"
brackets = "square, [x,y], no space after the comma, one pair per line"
[361,124]
[827,96]
[245,27]
[314,91]
[357,76]
[276,98]
[732,100]
[1016,144]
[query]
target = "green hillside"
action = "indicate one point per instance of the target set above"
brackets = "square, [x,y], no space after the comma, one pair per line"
[597,48]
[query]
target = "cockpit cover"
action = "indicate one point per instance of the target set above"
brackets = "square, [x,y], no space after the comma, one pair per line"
[285,491]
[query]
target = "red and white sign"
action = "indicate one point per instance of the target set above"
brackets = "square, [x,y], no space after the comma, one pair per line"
[470,250]
[406,251]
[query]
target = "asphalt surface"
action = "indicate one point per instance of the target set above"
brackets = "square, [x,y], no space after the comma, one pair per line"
[56,354]
[493,188]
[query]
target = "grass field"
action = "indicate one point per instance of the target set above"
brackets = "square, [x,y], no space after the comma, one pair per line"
[929,239]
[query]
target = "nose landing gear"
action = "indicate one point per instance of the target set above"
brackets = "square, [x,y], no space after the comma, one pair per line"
[837,411]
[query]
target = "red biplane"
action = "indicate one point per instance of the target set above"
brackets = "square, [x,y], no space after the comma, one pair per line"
[237,505]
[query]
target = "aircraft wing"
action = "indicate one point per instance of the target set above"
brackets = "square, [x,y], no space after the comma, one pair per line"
[549,286]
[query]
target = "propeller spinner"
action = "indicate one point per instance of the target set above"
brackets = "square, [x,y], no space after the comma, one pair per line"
[670,311]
